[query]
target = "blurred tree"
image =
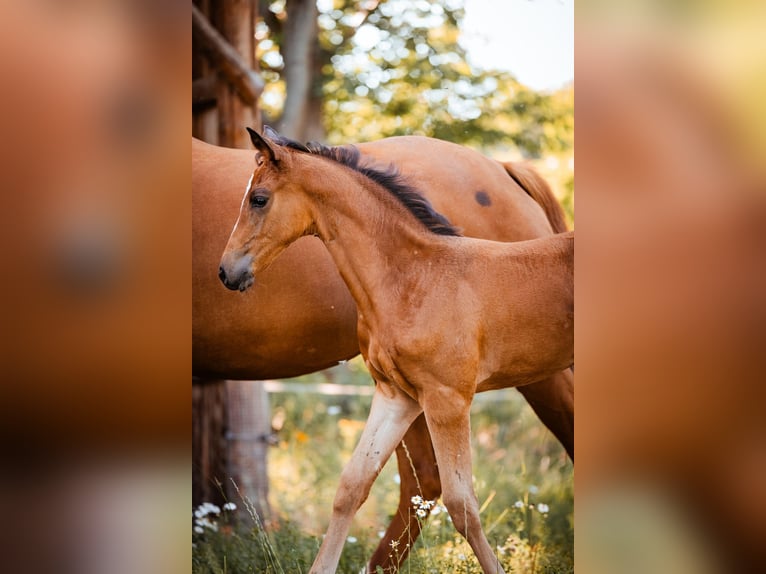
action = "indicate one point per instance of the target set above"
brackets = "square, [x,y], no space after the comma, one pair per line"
[354,70]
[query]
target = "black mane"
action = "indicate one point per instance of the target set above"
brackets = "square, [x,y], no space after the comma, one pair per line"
[389,178]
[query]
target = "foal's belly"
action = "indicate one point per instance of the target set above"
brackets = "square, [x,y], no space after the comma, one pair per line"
[505,380]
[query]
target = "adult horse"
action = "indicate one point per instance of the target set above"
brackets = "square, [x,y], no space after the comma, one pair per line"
[441,316]
[301,318]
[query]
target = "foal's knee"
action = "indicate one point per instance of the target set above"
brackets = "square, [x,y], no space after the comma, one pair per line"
[464,511]
[351,493]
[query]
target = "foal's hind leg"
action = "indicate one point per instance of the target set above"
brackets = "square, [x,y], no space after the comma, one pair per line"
[448,417]
[419,476]
[553,403]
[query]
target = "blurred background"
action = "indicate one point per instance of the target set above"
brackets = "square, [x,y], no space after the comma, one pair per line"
[671,437]
[94,320]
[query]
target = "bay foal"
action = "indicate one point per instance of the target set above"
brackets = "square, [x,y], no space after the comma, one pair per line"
[299,316]
[440,316]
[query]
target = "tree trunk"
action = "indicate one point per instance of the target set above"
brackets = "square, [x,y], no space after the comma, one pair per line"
[314,128]
[300,53]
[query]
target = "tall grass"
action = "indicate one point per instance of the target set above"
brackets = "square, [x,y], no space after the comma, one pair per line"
[522,478]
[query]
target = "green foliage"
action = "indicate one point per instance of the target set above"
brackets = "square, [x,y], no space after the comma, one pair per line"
[395,67]
[403,71]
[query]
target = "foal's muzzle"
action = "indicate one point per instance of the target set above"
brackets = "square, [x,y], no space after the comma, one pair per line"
[238,276]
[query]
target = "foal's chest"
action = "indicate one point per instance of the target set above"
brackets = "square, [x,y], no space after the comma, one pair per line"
[383,366]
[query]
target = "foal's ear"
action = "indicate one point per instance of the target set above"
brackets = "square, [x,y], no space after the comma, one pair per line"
[260,143]
[270,132]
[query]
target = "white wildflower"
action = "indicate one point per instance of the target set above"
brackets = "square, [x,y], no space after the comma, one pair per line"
[198,529]
[230,506]
[333,410]
[421,513]
[205,522]
[206,508]
[416,500]
[518,504]
[394,544]
[542,508]
[533,489]
[351,539]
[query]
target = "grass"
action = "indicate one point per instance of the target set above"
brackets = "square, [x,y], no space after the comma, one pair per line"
[522,478]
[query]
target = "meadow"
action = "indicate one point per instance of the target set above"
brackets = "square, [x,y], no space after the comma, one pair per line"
[522,477]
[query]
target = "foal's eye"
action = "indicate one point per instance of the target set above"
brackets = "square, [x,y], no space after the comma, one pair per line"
[259,201]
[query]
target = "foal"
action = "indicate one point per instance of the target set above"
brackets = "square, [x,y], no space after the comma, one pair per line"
[440,316]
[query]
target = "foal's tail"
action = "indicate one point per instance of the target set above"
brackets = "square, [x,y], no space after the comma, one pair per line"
[539,190]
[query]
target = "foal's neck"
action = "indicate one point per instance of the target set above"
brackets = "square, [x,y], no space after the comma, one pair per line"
[371,236]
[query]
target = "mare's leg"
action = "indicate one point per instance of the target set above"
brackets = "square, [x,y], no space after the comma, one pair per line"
[419,476]
[391,414]
[553,403]
[448,416]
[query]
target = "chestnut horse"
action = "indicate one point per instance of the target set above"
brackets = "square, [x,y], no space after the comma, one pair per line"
[440,316]
[301,318]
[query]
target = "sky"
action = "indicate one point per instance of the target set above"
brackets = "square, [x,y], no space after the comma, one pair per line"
[532,39]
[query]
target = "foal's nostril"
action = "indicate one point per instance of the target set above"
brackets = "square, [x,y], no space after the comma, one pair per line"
[222,274]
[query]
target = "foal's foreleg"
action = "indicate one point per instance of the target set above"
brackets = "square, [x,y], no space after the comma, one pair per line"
[391,414]
[419,476]
[448,417]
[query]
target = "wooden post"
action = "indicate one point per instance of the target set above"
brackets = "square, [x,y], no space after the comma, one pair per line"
[209,450]
[224,46]
[231,422]
[231,431]
[248,441]
[236,69]
[235,20]
[204,118]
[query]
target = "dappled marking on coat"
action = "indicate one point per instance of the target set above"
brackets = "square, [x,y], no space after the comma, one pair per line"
[482,198]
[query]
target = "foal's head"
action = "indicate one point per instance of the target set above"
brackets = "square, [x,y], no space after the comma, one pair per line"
[272,216]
